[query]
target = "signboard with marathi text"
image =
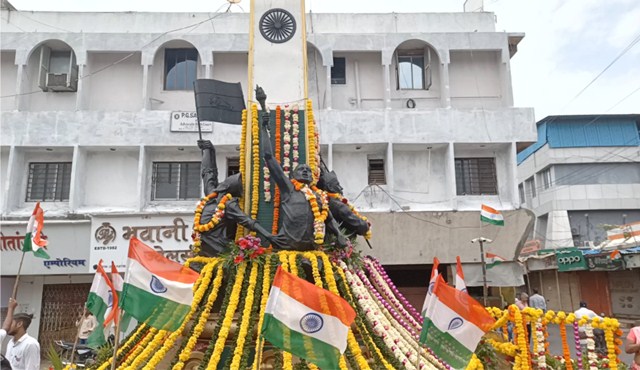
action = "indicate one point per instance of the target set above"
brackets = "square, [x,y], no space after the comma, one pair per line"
[170,235]
[604,262]
[188,122]
[67,248]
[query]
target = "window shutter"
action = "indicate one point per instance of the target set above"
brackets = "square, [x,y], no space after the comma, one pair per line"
[376,172]
[45,56]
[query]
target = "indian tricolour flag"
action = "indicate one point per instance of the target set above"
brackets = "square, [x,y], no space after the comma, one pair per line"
[454,326]
[460,284]
[156,290]
[307,321]
[33,241]
[113,313]
[493,260]
[98,302]
[432,284]
[492,216]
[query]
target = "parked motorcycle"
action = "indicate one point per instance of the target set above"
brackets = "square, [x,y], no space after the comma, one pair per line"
[84,355]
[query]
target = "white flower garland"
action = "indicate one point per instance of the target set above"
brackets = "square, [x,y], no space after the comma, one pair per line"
[286,160]
[388,331]
[592,357]
[296,133]
[541,358]
[267,184]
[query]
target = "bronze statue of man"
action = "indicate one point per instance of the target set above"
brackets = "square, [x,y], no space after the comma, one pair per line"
[297,228]
[216,240]
[347,218]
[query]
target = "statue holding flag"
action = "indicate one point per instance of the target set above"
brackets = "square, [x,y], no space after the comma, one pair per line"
[219,212]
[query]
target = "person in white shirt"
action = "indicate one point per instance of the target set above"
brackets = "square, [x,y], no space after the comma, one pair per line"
[23,351]
[6,325]
[87,325]
[537,301]
[598,334]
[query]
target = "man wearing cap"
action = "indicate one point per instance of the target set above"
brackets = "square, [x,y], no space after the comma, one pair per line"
[23,351]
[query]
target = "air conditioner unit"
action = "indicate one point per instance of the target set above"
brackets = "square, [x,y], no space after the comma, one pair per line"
[58,82]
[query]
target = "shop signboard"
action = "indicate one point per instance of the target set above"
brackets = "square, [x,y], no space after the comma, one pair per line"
[67,249]
[188,122]
[604,262]
[170,235]
[570,259]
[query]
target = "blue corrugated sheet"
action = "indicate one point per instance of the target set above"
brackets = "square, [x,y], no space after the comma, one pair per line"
[585,131]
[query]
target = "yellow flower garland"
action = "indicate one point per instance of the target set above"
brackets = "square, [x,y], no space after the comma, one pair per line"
[132,337]
[228,318]
[243,139]
[287,360]
[145,350]
[353,209]
[320,212]
[246,317]
[138,348]
[202,320]
[266,285]
[522,358]
[217,216]
[475,363]
[255,164]
[197,298]
[311,142]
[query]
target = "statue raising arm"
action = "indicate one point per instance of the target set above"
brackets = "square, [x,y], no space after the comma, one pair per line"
[209,166]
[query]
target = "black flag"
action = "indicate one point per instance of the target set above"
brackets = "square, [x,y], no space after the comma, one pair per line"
[219,101]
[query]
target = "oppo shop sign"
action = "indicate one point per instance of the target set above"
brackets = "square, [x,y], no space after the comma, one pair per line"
[570,259]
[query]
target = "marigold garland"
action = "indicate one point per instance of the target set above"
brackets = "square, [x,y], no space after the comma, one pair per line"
[266,285]
[320,212]
[312,143]
[255,163]
[144,349]
[287,360]
[215,218]
[246,317]
[278,155]
[202,320]
[243,165]
[228,318]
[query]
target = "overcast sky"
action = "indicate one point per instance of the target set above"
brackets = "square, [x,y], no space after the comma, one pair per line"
[567,43]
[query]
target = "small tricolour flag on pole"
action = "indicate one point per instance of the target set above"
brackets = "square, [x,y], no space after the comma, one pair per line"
[493,260]
[460,284]
[98,302]
[307,321]
[113,312]
[156,291]
[454,326]
[432,283]
[615,255]
[491,215]
[33,241]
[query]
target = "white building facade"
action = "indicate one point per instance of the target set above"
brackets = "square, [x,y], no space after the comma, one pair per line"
[415,113]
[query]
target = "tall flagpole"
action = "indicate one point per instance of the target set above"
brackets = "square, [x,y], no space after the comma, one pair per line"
[15,285]
[75,342]
[117,340]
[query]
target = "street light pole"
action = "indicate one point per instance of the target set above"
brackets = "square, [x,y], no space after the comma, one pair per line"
[485,288]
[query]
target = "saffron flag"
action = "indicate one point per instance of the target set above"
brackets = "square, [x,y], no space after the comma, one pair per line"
[113,313]
[493,260]
[492,216]
[156,291]
[307,321]
[615,255]
[454,326]
[460,284]
[33,241]
[98,302]
[432,283]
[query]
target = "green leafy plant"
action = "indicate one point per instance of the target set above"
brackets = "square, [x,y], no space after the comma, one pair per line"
[54,357]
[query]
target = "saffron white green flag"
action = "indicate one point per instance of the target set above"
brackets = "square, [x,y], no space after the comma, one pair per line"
[454,325]
[307,321]
[98,302]
[156,290]
[33,241]
[491,215]
[113,313]
[432,283]
[460,284]
[493,260]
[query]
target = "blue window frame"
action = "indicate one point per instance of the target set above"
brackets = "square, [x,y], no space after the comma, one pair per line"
[180,68]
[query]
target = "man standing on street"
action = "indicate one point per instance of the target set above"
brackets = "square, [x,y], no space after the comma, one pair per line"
[538,301]
[23,351]
[87,324]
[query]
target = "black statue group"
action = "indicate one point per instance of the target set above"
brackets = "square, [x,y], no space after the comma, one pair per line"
[297,219]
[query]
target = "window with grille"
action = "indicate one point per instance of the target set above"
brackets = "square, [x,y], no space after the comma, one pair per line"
[376,171]
[233,166]
[521,193]
[176,180]
[546,178]
[476,176]
[339,71]
[49,181]
[180,67]
[531,187]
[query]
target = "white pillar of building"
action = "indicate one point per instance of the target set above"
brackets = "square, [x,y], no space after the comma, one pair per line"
[80,88]
[145,86]
[390,173]
[328,64]
[445,90]
[21,80]
[386,79]
[450,175]
[559,230]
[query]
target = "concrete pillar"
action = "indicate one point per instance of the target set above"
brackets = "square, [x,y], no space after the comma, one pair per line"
[77,175]
[559,230]
[505,72]
[450,175]
[513,169]
[145,87]
[386,79]
[19,100]
[445,91]
[142,176]
[390,173]
[328,86]
[81,87]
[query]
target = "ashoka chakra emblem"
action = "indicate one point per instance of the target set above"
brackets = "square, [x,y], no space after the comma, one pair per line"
[311,323]
[277,25]
[156,285]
